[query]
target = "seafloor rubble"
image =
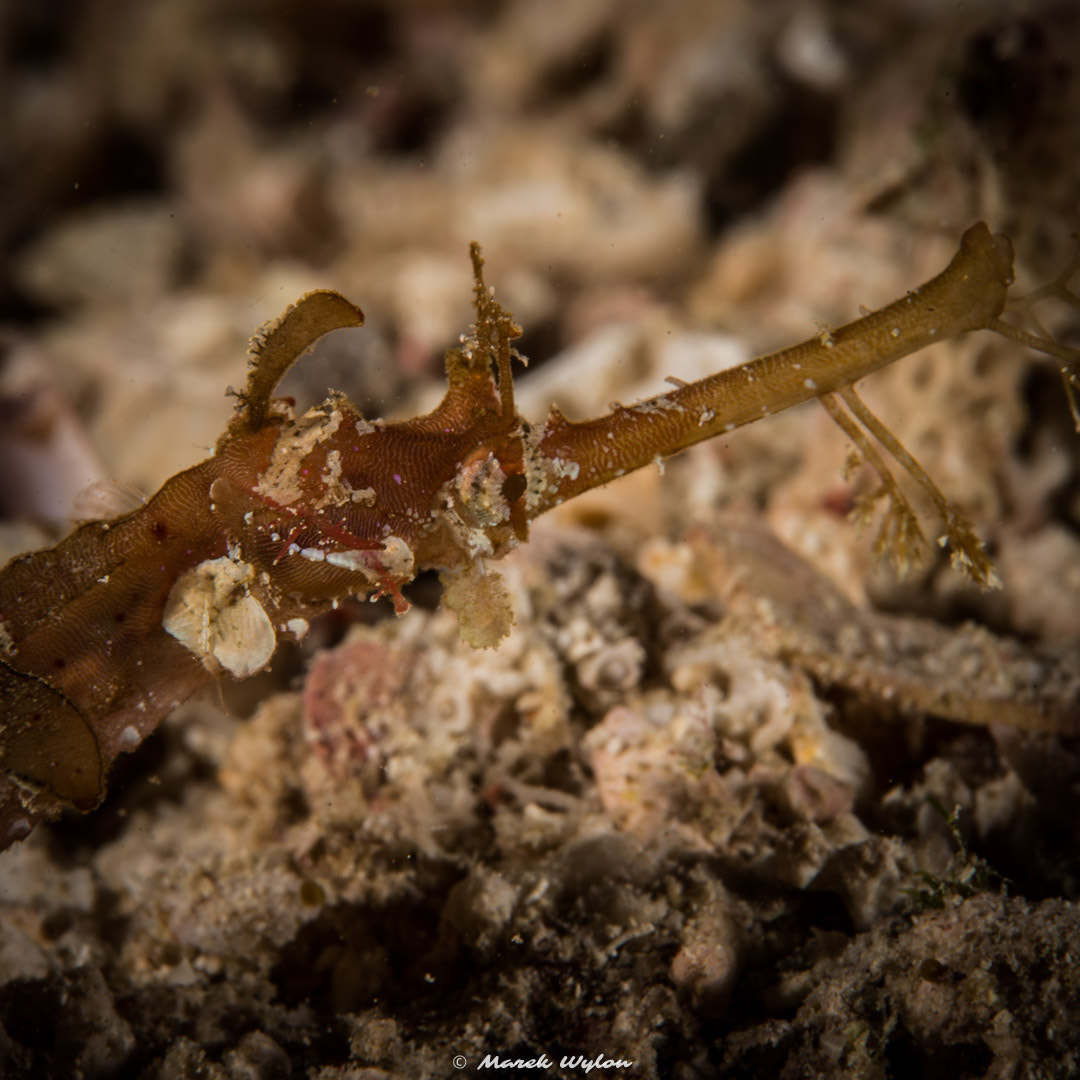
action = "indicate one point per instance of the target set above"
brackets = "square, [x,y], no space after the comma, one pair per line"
[730,800]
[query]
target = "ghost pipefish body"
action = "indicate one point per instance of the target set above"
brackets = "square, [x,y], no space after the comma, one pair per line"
[104,634]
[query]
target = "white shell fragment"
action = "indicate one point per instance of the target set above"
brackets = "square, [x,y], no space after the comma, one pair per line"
[211,612]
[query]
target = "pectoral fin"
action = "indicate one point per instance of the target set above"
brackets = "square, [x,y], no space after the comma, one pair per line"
[46,741]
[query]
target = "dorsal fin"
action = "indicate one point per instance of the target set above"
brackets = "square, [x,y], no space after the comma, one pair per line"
[278,344]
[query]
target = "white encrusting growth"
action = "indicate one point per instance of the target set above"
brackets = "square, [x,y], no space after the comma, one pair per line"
[211,611]
[281,479]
